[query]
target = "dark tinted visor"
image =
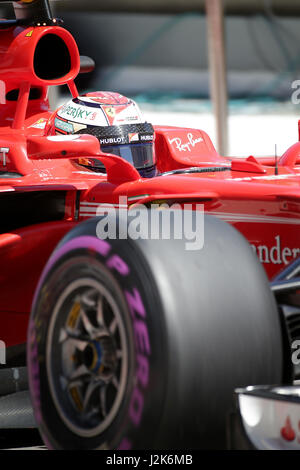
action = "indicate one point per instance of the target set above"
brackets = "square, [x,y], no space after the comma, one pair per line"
[139,155]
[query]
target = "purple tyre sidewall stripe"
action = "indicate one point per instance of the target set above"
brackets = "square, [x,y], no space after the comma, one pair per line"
[88,242]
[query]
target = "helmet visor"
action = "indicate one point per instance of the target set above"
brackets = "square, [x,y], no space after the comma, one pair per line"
[139,155]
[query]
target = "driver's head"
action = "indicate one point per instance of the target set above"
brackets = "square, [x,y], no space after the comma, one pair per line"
[117,123]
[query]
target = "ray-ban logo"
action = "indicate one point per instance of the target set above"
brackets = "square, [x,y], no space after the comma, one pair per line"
[2,352]
[188,145]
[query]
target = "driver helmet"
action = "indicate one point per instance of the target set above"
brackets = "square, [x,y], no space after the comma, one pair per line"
[117,123]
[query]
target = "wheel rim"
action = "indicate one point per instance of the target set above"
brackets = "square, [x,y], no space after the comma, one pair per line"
[87,357]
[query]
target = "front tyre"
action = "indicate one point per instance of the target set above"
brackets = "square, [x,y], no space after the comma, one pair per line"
[140,344]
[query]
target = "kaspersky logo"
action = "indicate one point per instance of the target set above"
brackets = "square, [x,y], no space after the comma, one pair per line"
[277,253]
[77,113]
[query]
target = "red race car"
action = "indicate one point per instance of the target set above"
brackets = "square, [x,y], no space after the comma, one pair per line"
[130,261]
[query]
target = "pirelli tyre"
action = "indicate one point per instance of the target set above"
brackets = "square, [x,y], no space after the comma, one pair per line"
[139,344]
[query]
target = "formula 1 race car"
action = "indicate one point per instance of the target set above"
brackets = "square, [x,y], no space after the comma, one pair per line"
[134,339]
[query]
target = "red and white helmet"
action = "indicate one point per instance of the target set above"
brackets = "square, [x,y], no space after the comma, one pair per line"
[117,123]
